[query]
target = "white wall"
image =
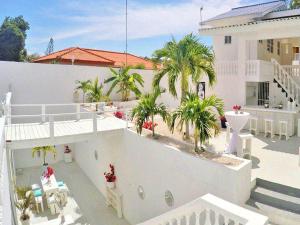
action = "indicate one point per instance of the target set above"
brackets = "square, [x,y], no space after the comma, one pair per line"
[142,161]
[23,157]
[53,83]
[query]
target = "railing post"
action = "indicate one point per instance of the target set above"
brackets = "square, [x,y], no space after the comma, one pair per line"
[78,111]
[43,112]
[95,123]
[51,126]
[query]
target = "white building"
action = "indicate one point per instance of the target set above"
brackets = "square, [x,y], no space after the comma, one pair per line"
[254,46]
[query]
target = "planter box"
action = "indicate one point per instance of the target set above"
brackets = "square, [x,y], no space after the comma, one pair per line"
[68,157]
[111,185]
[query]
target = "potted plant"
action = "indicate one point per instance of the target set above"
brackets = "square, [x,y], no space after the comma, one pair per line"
[25,201]
[44,150]
[223,121]
[67,154]
[110,177]
[147,108]
[236,108]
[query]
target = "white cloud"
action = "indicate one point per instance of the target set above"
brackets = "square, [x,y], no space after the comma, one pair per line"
[107,22]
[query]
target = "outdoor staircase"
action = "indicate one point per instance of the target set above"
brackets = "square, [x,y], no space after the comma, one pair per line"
[286,82]
[279,202]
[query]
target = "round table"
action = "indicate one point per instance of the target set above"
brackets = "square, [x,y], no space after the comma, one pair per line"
[236,121]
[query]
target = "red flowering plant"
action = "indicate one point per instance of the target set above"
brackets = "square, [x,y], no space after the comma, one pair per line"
[67,149]
[119,114]
[149,125]
[236,108]
[110,176]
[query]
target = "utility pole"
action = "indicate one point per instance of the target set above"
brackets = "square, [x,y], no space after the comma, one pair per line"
[126,45]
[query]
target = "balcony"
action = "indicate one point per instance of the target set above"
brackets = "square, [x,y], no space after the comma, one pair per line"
[255,70]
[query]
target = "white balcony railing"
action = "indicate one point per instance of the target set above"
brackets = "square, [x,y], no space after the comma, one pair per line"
[293,70]
[255,70]
[213,208]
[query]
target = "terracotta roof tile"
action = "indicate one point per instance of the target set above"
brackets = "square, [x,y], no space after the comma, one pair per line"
[115,59]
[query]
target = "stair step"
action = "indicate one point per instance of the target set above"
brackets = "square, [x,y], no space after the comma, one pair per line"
[284,189]
[275,215]
[276,199]
[279,202]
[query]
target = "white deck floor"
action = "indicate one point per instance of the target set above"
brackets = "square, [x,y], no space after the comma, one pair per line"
[272,159]
[31,131]
[86,205]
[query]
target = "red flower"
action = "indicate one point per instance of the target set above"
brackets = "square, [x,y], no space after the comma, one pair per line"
[110,177]
[236,107]
[148,125]
[119,114]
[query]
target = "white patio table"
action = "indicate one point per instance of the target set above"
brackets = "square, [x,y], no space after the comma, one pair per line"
[236,122]
[49,185]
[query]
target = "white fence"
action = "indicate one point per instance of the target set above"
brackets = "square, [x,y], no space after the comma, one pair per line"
[209,210]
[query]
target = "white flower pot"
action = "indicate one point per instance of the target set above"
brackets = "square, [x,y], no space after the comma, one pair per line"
[111,185]
[68,157]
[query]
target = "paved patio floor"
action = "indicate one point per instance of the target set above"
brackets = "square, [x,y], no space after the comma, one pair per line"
[86,205]
[272,159]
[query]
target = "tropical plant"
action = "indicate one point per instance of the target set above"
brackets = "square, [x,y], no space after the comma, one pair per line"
[44,150]
[147,108]
[25,200]
[295,4]
[183,60]
[84,86]
[125,81]
[95,92]
[201,113]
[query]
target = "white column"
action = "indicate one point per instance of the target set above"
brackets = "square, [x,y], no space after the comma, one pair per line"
[242,57]
[94,122]
[43,112]
[78,111]
[51,126]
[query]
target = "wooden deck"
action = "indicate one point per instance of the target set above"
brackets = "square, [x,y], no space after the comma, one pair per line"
[32,132]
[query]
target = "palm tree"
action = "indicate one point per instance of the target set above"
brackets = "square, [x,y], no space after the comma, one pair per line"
[44,150]
[201,114]
[83,85]
[125,81]
[183,60]
[295,4]
[95,92]
[147,108]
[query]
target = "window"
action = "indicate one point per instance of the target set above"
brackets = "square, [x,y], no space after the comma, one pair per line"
[260,41]
[263,93]
[270,43]
[278,48]
[227,40]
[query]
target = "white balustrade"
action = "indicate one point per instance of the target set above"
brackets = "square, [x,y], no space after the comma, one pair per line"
[286,81]
[216,210]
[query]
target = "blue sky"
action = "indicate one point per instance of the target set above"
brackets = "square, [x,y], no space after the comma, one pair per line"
[101,23]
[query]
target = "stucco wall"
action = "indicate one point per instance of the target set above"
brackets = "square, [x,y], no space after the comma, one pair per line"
[54,83]
[157,167]
[23,157]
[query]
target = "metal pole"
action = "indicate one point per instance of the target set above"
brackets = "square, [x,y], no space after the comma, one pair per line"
[126,45]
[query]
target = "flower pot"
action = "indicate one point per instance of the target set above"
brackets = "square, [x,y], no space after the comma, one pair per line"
[111,185]
[68,157]
[25,222]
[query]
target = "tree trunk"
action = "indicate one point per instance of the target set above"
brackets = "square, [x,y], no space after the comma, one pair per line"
[152,119]
[184,90]
[44,157]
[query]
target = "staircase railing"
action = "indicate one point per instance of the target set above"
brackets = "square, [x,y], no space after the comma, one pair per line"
[286,81]
[213,208]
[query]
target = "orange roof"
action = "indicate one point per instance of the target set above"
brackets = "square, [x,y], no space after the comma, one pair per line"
[85,55]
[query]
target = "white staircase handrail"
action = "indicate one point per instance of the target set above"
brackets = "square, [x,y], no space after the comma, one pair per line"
[286,81]
[208,203]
